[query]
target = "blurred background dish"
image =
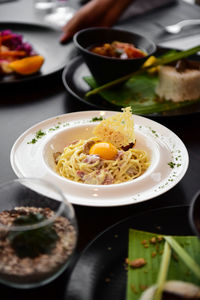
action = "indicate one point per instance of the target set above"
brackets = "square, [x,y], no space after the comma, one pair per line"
[40,37]
[38,235]
[75,73]
[105,68]
[60,12]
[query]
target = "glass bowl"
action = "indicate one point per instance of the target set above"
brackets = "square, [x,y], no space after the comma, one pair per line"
[38,234]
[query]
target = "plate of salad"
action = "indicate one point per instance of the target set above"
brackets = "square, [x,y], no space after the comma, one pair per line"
[27,52]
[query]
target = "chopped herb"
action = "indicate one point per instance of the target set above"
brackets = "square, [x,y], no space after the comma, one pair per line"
[39,134]
[171,164]
[96,119]
[33,141]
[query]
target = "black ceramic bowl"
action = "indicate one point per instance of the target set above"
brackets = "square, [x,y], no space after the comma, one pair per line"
[194,214]
[105,69]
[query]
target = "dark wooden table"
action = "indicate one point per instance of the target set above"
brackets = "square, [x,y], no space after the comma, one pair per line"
[25,105]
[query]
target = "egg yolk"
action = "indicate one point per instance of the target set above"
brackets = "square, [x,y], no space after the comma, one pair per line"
[104,150]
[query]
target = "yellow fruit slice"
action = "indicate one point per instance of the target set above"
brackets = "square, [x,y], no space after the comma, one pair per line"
[27,65]
[150,61]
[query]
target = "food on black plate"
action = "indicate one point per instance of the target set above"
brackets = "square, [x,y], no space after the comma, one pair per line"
[118,50]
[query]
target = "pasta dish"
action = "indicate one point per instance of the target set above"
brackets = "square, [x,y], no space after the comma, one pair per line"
[98,161]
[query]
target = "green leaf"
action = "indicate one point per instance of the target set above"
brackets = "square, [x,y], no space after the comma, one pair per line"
[139,93]
[144,277]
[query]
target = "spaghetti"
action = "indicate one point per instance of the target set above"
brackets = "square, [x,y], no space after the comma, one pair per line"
[77,164]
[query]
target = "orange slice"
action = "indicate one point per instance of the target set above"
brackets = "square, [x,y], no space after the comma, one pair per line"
[27,65]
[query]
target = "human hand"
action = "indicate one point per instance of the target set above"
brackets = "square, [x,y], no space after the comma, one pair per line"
[95,13]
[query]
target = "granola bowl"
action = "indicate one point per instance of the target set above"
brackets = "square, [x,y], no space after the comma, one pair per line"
[38,234]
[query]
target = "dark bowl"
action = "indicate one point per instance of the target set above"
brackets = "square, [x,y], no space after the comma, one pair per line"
[105,69]
[194,214]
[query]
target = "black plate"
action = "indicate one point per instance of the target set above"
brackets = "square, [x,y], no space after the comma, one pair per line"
[74,83]
[100,273]
[45,41]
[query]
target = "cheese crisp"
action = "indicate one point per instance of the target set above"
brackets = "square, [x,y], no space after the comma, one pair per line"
[118,129]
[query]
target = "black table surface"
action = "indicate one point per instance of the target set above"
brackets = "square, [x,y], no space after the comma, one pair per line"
[24,105]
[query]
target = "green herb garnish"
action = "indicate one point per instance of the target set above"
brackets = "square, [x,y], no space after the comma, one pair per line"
[171,164]
[32,243]
[33,141]
[96,119]
[39,134]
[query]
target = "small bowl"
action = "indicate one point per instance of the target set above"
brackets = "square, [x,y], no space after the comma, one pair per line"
[194,214]
[105,69]
[38,234]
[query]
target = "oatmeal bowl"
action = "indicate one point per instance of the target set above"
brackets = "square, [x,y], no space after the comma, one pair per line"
[38,234]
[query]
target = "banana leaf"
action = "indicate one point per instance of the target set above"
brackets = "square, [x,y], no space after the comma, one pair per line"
[141,246]
[139,93]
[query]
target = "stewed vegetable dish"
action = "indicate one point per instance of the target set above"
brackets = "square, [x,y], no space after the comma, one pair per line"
[118,50]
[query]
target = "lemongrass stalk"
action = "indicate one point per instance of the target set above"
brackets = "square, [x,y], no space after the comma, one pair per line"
[176,56]
[162,275]
[114,82]
[158,62]
[186,258]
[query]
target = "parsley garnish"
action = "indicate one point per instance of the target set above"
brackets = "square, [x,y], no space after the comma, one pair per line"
[39,134]
[95,119]
[33,141]
[172,165]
